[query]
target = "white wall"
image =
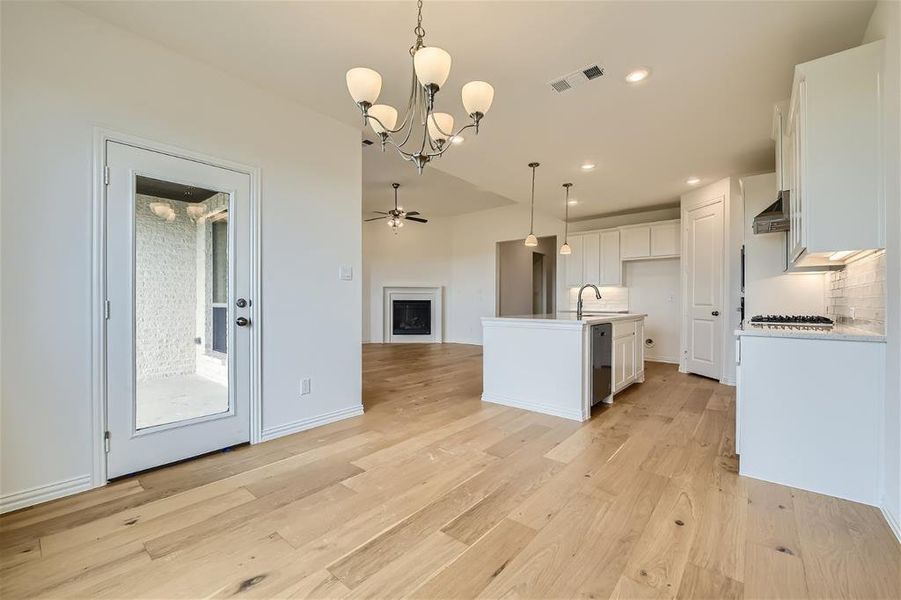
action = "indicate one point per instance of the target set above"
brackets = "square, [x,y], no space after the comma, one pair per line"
[64,72]
[654,289]
[768,288]
[886,24]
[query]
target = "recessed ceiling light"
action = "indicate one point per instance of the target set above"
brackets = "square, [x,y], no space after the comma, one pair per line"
[458,139]
[639,74]
[572,202]
[588,166]
[693,181]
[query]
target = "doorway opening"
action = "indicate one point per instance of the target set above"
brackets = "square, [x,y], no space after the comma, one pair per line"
[526,277]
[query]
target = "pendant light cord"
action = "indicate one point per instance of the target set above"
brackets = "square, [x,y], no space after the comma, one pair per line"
[534,165]
[566,217]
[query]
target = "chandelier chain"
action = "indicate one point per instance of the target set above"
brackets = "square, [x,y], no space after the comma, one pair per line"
[418,30]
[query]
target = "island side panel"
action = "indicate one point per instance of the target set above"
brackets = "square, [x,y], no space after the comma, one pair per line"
[537,367]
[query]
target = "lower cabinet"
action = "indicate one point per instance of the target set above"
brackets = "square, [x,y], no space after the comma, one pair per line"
[628,353]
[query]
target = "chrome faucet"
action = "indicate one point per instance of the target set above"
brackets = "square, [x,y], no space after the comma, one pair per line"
[597,294]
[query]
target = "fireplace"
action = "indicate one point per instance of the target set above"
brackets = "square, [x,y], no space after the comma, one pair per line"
[411,317]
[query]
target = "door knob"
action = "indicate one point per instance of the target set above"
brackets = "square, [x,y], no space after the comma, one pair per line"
[242,321]
[715,313]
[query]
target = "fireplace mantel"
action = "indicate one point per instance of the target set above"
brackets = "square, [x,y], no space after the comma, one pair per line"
[434,294]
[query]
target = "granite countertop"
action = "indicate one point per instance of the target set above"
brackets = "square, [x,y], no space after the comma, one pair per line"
[567,318]
[836,333]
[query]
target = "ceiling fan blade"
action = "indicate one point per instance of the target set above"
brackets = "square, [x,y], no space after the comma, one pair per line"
[417,219]
[374,219]
[412,213]
[378,212]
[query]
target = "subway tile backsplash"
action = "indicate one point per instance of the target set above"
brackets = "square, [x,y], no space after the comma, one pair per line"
[612,299]
[855,296]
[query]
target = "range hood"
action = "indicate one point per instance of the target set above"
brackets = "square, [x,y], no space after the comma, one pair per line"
[774,217]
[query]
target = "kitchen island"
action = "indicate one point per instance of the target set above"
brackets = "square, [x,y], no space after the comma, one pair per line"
[543,363]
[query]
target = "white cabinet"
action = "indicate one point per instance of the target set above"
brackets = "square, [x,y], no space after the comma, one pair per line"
[635,242]
[836,196]
[610,262]
[572,263]
[594,259]
[665,239]
[591,263]
[650,240]
[628,353]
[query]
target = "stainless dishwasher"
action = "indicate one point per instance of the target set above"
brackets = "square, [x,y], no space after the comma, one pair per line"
[601,362]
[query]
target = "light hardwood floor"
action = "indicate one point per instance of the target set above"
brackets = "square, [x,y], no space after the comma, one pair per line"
[432,494]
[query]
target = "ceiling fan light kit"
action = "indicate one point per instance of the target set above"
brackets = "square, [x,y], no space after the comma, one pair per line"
[395,218]
[531,240]
[431,68]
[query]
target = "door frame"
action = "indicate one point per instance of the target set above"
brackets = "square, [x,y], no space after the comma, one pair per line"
[98,285]
[685,208]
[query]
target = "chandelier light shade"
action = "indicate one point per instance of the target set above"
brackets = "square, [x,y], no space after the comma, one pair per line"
[531,240]
[384,115]
[440,126]
[432,66]
[423,133]
[477,97]
[565,248]
[364,85]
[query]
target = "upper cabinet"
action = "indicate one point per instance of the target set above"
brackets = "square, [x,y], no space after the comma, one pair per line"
[830,157]
[650,240]
[594,259]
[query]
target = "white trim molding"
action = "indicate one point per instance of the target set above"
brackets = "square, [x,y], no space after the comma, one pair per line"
[548,409]
[892,523]
[271,433]
[45,493]
[434,294]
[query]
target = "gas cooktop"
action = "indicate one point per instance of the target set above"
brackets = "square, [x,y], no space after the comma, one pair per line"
[791,320]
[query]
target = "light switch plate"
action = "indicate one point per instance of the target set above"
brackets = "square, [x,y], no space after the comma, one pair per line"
[345,273]
[305,385]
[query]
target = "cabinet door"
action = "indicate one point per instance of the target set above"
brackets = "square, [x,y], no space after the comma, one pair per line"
[611,264]
[573,262]
[796,241]
[619,361]
[665,239]
[591,251]
[635,242]
[629,358]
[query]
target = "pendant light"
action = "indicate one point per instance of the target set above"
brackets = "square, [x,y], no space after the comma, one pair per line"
[531,240]
[565,249]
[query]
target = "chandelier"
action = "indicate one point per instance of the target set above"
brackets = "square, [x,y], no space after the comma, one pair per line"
[423,134]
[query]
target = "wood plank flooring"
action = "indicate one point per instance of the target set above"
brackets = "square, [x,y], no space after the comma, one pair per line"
[433,494]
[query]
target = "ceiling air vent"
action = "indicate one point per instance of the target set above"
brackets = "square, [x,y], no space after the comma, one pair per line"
[576,78]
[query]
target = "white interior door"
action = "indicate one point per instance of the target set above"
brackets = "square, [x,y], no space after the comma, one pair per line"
[178,249]
[704,289]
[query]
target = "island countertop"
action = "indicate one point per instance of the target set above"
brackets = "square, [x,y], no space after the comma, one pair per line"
[562,319]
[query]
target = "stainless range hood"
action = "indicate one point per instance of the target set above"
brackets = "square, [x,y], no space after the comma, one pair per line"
[774,217]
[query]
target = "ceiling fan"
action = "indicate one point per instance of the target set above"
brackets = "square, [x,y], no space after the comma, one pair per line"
[397,215]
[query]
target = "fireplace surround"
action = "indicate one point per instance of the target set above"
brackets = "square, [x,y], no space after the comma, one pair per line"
[412,314]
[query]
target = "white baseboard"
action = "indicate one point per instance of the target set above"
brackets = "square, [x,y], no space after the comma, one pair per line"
[556,411]
[892,522]
[44,493]
[662,359]
[270,433]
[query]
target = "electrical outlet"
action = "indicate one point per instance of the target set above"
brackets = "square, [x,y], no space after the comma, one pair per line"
[304,386]
[852,312]
[346,273]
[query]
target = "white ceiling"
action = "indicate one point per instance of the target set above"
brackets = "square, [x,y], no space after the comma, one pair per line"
[717,68]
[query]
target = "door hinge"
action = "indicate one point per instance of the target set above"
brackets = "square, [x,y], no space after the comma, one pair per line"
[105,174]
[106,309]
[106,441]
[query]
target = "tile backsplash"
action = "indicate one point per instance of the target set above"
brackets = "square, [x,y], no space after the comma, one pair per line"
[856,295]
[612,299]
